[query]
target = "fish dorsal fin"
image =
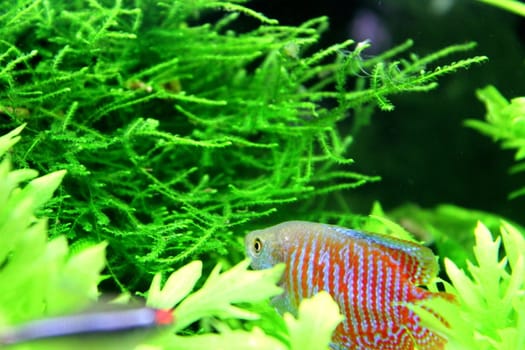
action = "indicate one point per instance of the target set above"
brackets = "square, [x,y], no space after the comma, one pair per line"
[415,260]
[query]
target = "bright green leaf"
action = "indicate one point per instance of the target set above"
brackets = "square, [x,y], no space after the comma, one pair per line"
[489,312]
[317,319]
[221,290]
[178,285]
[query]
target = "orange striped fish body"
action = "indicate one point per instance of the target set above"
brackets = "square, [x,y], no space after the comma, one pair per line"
[370,276]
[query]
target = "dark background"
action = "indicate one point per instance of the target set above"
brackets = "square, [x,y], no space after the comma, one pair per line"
[422,150]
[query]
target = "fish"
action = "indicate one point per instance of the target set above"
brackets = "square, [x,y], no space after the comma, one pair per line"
[371,276]
[106,321]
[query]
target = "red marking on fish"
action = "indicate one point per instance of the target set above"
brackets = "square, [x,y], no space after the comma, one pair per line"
[164,317]
[370,276]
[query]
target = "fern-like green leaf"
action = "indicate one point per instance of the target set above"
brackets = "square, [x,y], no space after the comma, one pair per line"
[489,311]
[308,335]
[505,122]
[312,329]
[38,277]
[514,6]
[221,291]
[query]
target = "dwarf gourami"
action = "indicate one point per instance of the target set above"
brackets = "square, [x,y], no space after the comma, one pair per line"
[370,276]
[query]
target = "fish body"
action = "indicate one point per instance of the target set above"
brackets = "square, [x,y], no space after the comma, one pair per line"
[370,276]
[86,323]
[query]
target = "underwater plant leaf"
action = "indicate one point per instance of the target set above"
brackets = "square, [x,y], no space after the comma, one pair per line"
[41,189]
[227,340]
[505,123]
[221,291]
[404,76]
[389,227]
[317,319]
[312,329]
[488,312]
[8,140]
[176,287]
[81,272]
[379,222]
[514,245]
[39,277]
[514,6]
[448,226]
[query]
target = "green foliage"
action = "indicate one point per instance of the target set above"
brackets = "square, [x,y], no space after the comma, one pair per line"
[177,129]
[237,285]
[412,75]
[214,303]
[514,6]
[378,222]
[217,302]
[38,277]
[42,278]
[448,226]
[318,318]
[489,312]
[490,308]
[505,122]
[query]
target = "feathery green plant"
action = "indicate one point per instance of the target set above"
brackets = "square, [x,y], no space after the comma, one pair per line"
[505,122]
[41,278]
[178,130]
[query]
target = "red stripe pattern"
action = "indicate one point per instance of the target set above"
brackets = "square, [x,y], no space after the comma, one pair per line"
[368,275]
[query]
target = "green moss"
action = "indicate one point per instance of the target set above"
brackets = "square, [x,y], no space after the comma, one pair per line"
[178,130]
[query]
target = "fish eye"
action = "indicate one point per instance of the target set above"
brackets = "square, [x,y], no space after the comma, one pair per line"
[257,245]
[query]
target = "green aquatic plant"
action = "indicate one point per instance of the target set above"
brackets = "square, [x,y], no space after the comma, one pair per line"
[505,122]
[489,312]
[514,6]
[42,278]
[178,130]
[449,227]
[215,303]
[38,277]
[182,123]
